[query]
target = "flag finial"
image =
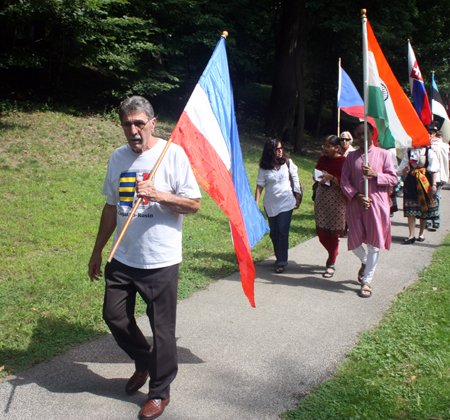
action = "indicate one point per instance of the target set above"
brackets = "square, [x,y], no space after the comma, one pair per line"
[225,34]
[363,13]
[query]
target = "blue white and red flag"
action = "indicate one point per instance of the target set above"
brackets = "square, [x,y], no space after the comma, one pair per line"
[207,131]
[417,86]
[349,99]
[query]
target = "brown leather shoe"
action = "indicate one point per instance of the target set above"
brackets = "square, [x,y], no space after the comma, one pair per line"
[136,381]
[153,409]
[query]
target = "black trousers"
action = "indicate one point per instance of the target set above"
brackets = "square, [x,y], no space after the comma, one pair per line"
[158,288]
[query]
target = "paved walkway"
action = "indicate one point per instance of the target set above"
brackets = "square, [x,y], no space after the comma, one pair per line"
[236,362]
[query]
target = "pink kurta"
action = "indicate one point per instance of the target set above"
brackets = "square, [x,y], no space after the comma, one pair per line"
[372,226]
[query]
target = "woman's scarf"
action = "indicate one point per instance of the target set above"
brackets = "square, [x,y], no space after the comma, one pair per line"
[332,166]
[423,187]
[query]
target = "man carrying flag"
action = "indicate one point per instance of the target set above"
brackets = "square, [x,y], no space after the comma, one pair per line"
[147,259]
[368,216]
[368,172]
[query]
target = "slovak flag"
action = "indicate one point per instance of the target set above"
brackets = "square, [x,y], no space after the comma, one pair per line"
[207,131]
[418,91]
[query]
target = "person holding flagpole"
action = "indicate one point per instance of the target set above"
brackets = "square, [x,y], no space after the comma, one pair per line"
[148,257]
[368,215]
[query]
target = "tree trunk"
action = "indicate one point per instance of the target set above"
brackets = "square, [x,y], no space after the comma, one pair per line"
[319,113]
[283,120]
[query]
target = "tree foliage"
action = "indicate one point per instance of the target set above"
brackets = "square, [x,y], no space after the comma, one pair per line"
[112,40]
[111,48]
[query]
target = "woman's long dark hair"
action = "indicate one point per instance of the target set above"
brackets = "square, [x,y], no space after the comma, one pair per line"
[269,158]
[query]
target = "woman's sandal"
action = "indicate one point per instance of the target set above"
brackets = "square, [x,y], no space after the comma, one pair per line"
[328,274]
[279,269]
[361,273]
[365,291]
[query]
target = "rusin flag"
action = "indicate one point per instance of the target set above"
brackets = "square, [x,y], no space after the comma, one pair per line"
[418,91]
[208,133]
[397,122]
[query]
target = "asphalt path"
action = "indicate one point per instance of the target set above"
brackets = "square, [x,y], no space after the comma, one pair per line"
[236,362]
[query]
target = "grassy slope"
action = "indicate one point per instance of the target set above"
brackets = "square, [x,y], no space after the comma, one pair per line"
[52,167]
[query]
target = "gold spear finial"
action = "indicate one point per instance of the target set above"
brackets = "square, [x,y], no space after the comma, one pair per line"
[363,13]
[225,34]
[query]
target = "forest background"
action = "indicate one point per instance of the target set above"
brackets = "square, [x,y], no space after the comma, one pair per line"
[90,54]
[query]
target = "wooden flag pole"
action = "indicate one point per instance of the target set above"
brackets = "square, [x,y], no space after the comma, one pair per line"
[431,96]
[138,202]
[339,109]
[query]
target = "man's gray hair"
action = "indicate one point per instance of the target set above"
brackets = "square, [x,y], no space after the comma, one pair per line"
[136,104]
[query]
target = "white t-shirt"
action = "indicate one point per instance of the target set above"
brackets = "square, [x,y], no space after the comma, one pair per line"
[442,151]
[153,238]
[278,196]
[416,152]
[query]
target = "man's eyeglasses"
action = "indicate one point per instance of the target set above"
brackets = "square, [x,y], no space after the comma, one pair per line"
[278,148]
[344,139]
[138,124]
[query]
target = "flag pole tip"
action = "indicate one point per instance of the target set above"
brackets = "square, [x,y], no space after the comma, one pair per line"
[225,34]
[363,13]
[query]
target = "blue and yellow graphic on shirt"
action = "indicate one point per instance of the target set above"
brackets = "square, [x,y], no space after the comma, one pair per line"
[127,188]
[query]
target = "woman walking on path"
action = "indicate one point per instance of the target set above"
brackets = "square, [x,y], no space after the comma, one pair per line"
[330,203]
[420,166]
[276,172]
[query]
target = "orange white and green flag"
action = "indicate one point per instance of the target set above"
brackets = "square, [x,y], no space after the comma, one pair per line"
[396,119]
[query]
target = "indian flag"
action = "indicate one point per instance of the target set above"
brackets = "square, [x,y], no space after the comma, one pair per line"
[397,122]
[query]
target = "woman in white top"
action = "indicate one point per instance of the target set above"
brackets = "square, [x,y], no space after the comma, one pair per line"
[279,199]
[346,143]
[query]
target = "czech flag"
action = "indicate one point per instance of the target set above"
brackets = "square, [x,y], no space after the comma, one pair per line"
[207,131]
[418,91]
[350,101]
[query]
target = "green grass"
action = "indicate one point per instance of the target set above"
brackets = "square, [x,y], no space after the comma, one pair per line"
[52,166]
[401,368]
